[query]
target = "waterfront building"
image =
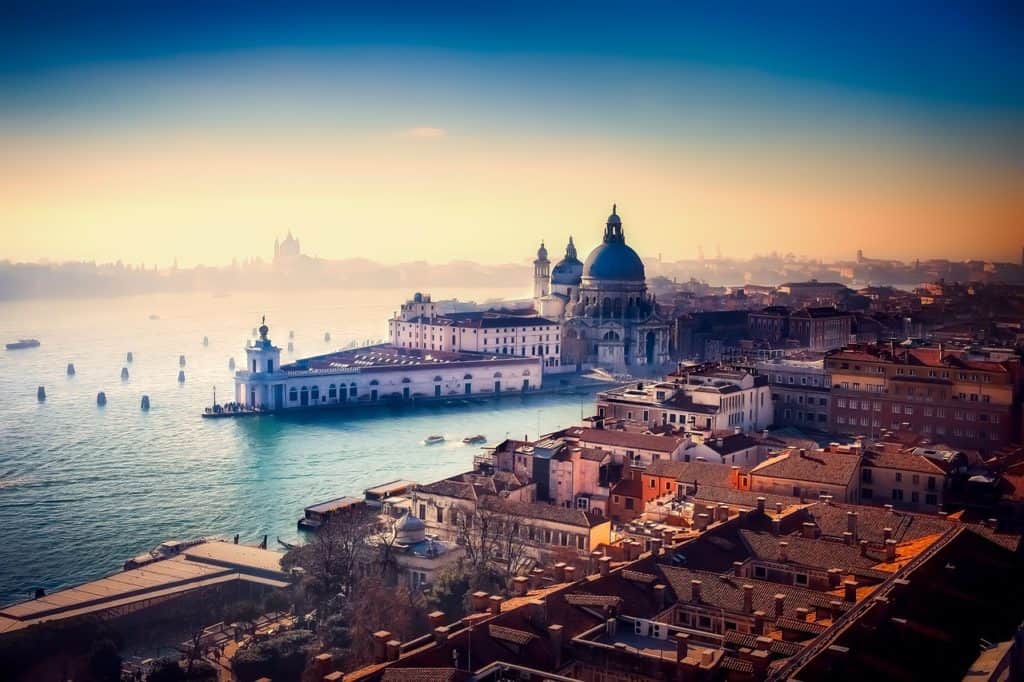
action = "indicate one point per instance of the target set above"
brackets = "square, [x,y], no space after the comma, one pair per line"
[380,373]
[960,397]
[419,326]
[700,399]
[814,328]
[608,317]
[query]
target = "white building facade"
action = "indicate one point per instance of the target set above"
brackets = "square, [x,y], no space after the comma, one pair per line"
[382,373]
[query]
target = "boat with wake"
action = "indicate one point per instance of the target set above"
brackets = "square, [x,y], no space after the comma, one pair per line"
[23,343]
[433,440]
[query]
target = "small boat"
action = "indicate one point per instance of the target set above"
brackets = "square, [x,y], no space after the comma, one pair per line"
[124,374]
[41,394]
[101,398]
[23,343]
[145,402]
[71,369]
[474,440]
[286,545]
[433,440]
[181,376]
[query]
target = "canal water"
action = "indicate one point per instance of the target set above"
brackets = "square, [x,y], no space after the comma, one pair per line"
[83,487]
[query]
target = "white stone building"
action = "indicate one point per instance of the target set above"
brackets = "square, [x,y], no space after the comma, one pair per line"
[418,325]
[381,373]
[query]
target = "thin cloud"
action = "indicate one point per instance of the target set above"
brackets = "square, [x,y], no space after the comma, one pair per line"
[424,132]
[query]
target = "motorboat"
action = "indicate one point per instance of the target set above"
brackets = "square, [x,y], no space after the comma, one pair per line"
[433,440]
[23,343]
[474,440]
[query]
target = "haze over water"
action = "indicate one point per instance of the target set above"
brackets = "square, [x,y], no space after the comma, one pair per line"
[83,488]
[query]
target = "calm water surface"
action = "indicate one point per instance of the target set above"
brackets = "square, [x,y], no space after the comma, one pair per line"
[83,488]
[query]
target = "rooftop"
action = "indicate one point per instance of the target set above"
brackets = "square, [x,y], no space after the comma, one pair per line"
[385,356]
[814,466]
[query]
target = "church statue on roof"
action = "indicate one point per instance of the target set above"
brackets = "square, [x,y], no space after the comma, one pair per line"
[608,317]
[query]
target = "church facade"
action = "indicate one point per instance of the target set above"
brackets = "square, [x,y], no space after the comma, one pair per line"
[608,317]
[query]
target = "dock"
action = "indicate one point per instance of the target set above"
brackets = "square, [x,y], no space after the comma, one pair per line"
[317,515]
[196,568]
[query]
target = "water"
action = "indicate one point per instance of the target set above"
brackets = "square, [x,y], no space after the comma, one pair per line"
[82,488]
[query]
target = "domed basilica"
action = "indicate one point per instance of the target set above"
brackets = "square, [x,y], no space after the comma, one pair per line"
[608,318]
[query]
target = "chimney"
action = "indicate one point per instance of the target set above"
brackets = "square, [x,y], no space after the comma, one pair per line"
[560,572]
[748,598]
[737,568]
[707,657]
[851,523]
[776,527]
[835,576]
[850,590]
[809,529]
[760,505]
[802,613]
[478,601]
[539,612]
[780,605]
[848,538]
[759,617]
[435,618]
[441,634]
[394,649]
[695,590]
[702,521]
[778,507]
[592,564]
[890,551]
[570,574]
[863,547]
[656,546]
[762,643]
[605,565]
[682,645]
[520,585]
[836,607]
[536,578]
[887,533]
[659,596]
[722,512]
[783,555]
[610,626]
[380,645]
[889,508]
[494,602]
[555,635]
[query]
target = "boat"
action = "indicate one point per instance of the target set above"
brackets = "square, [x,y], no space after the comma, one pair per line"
[474,440]
[433,440]
[165,550]
[286,545]
[23,343]
[124,374]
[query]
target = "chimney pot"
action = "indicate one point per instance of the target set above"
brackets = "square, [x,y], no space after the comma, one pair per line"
[495,604]
[748,598]
[778,507]
[776,527]
[435,618]
[682,646]
[394,650]
[863,547]
[539,612]
[760,504]
[659,595]
[850,590]
[702,521]
[783,556]
[520,585]
[695,590]
[604,565]
[890,551]
[737,568]
[847,538]
[780,605]
[809,529]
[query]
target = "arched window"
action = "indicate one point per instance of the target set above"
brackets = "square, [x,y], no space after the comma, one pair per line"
[293,394]
[497,375]
[437,378]
[468,377]
[610,336]
[406,380]
[374,383]
[314,393]
[332,391]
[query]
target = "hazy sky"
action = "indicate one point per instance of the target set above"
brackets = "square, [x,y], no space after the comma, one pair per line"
[402,131]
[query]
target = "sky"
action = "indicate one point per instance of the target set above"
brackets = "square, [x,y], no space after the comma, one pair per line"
[439,131]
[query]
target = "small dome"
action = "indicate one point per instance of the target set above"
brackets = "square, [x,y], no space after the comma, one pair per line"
[409,530]
[542,252]
[614,218]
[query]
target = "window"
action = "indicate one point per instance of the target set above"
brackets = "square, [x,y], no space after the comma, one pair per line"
[897,494]
[931,499]
[760,572]
[423,511]
[440,515]
[865,475]
[867,493]
[704,622]
[800,579]
[899,476]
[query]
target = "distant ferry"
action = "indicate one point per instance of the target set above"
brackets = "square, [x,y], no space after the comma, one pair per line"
[433,440]
[474,440]
[23,343]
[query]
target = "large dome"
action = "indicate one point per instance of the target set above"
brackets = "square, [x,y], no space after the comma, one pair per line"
[614,260]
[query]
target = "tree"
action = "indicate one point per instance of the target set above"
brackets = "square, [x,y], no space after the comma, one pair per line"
[450,591]
[333,559]
[283,657]
[496,545]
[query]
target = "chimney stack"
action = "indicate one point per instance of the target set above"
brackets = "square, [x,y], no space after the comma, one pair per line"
[848,538]
[441,634]
[494,602]
[809,529]
[435,618]
[780,605]
[539,612]
[759,617]
[695,590]
[659,596]
[555,635]
[851,523]
[570,574]
[592,564]
[778,507]
[863,547]
[380,645]
[604,565]
[890,551]
[737,568]
[850,590]
[394,649]
[802,613]
[702,520]
[656,546]
[478,600]
[783,556]
[520,585]
[682,645]
[887,533]
[760,504]
[560,572]
[748,598]
[776,526]
[835,576]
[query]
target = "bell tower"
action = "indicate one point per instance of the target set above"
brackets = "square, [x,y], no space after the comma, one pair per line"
[541,276]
